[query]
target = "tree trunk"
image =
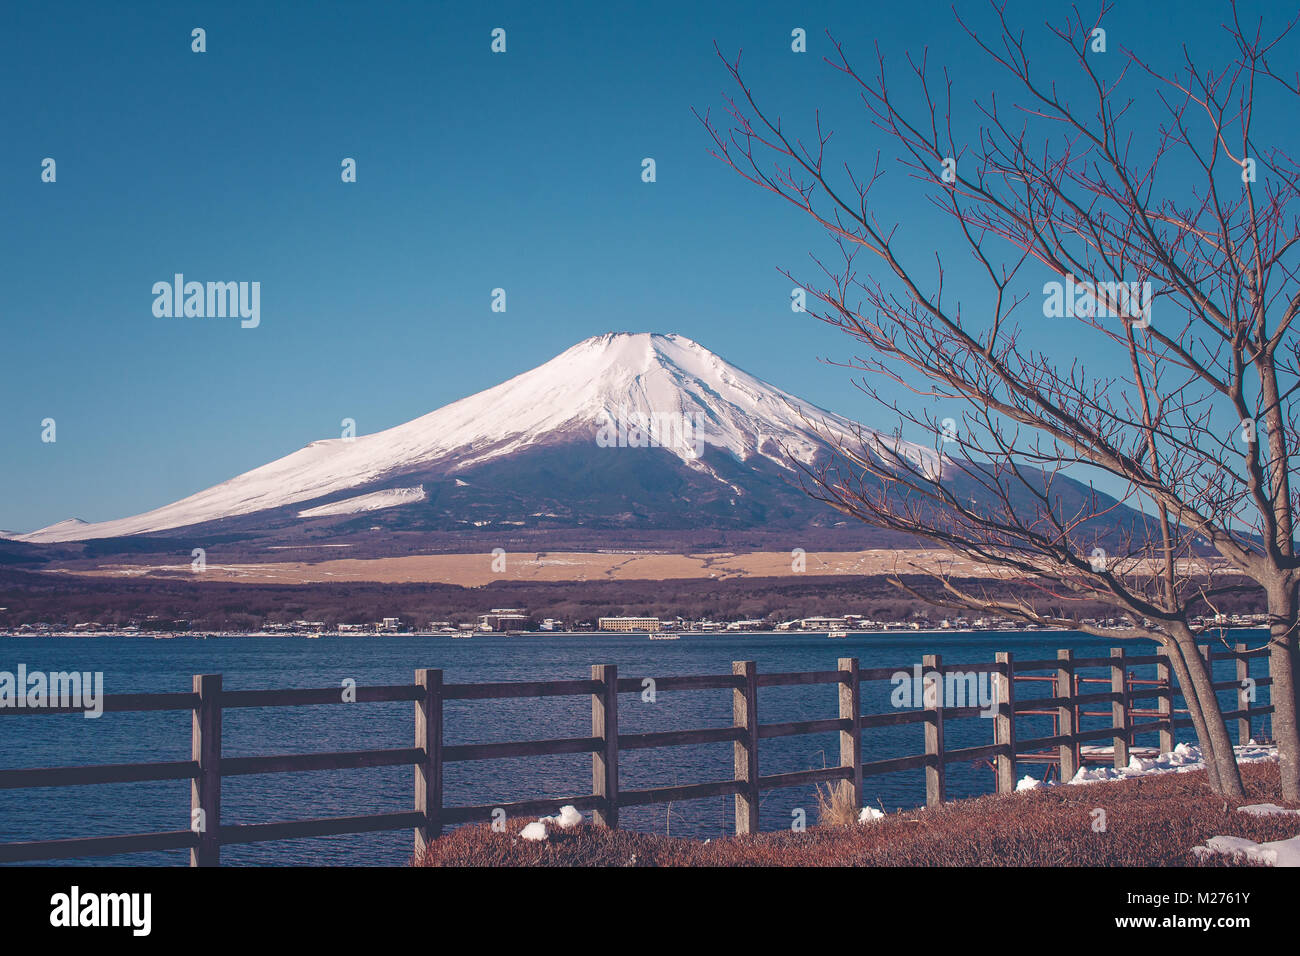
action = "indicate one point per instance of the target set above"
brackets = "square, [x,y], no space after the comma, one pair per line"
[1282,692]
[1216,728]
[1203,739]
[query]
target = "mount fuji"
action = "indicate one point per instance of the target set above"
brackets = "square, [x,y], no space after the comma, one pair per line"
[625,437]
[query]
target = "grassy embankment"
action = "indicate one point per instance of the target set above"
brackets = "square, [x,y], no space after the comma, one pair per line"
[1150,821]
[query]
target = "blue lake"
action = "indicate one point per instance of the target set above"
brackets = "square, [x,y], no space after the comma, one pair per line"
[134,665]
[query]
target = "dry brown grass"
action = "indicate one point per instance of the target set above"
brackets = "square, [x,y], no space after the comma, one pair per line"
[473,571]
[835,806]
[1151,821]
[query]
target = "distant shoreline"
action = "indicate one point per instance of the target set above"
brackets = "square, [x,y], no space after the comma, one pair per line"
[823,635]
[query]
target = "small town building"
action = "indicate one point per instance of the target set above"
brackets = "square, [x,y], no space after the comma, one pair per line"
[824,623]
[625,624]
[503,619]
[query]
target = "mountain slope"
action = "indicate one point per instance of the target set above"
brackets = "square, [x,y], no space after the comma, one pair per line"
[715,431]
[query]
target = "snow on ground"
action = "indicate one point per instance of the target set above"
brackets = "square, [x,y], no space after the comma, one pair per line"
[1276,853]
[567,817]
[534,831]
[1185,758]
[375,501]
[869,814]
[1182,759]
[1265,810]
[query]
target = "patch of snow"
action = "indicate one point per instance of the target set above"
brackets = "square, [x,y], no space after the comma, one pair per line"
[1276,853]
[375,501]
[1028,782]
[569,817]
[870,815]
[534,831]
[1266,810]
[1182,759]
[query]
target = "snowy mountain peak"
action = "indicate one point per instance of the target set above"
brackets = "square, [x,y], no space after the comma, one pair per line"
[620,389]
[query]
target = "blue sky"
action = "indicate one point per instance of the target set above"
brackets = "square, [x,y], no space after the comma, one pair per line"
[475,171]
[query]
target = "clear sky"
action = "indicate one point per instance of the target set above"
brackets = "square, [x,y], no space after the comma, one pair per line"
[475,170]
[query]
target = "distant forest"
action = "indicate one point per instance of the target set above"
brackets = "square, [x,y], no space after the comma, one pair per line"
[65,600]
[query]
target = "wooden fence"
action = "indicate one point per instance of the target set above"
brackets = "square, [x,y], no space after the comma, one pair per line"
[207,765]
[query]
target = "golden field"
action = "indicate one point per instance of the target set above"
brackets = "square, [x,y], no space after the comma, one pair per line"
[474,570]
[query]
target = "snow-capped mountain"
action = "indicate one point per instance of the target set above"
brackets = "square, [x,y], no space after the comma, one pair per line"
[616,431]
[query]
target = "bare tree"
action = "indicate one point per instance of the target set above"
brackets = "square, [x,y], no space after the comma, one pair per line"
[1170,239]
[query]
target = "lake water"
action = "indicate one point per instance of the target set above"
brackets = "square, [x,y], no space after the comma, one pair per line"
[134,665]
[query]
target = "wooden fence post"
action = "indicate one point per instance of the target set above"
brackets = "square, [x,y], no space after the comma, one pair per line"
[604,762]
[935,778]
[744,713]
[1004,724]
[851,710]
[1243,675]
[1165,703]
[428,770]
[205,788]
[1066,716]
[1119,707]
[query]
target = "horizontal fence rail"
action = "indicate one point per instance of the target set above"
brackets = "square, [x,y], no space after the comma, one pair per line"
[1134,705]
